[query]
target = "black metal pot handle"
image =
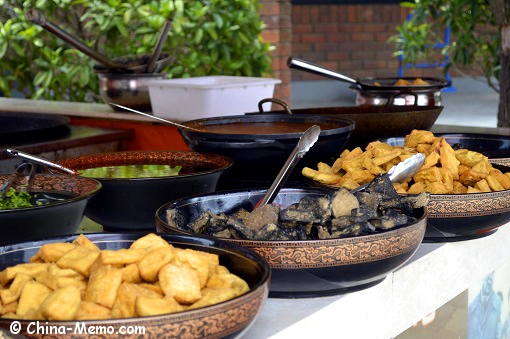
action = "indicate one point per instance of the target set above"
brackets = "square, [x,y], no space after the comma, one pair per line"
[274,101]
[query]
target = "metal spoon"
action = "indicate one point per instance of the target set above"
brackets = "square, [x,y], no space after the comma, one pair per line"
[19,180]
[155,117]
[40,161]
[402,171]
[306,141]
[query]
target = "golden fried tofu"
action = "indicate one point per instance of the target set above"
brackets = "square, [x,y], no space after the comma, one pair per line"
[145,306]
[228,280]
[119,257]
[470,177]
[131,273]
[494,183]
[420,82]
[323,167]
[437,188]
[417,137]
[180,282]
[417,187]
[501,178]
[32,295]
[56,282]
[469,158]
[124,306]
[195,259]
[64,272]
[473,190]
[213,296]
[150,264]
[481,186]
[12,293]
[458,188]
[52,252]
[324,178]
[150,240]
[447,178]
[31,269]
[103,285]
[92,311]
[447,158]
[79,259]
[62,304]
[428,175]
[85,242]
[430,160]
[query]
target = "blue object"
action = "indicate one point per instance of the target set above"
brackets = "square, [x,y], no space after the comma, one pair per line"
[448,78]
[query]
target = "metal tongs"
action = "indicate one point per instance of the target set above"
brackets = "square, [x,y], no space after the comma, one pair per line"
[20,179]
[306,141]
[400,172]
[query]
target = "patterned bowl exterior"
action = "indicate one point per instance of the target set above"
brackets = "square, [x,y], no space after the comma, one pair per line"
[58,218]
[224,320]
[317,267]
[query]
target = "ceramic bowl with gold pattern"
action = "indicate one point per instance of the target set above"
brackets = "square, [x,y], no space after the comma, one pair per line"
[229,319]
[308,268]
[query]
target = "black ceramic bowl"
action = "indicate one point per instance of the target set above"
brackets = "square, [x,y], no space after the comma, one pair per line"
[314,267]
[228,319]
[496,147]
[66,197]
[130,203]
[260,153]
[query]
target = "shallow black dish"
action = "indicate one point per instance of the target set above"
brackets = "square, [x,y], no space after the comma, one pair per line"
[259,157]
[228,319]
[66,196]
[496,147]
[130,203]
[312,268]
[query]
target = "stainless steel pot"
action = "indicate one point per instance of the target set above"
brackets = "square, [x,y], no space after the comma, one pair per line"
[403,97]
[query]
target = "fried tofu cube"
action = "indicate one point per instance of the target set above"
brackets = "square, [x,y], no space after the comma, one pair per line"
[324,178]
[417,187]
[79,259]
[417,137]
[228,280]
[381,157]
[150,240]
[85,242]
[145,306]
[53,252]
[473,190]
[458,188]
[493,182]
[323,167]
[32,295]
[482,186]
[428,175]
[12,293]
[447,158]
[55,282]
[195,259]
[118,258]
[103,285]
[469,158]
[131,273]
[31,269]
[431,160]
[213,296]
[150,264]
[470,177]
[124,306]
[501,178]
[62,304]
[447,178]
[180,282]
[437,188]
[92,311]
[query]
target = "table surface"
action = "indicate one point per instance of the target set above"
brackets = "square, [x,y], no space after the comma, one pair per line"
[434,275]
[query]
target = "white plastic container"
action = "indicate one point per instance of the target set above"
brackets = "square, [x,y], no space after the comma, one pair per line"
[210,96]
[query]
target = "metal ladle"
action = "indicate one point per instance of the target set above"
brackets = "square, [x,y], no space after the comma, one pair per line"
[41,161]
[154,117]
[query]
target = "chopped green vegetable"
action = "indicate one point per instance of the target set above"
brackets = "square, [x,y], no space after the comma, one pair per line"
[15,199]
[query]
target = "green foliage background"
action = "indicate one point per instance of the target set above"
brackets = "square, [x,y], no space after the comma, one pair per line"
[208,37]
[474,34]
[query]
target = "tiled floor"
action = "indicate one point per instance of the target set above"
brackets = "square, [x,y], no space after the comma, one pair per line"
[471,103]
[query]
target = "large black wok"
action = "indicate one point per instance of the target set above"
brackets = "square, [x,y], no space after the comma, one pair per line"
[17,128]
[372,122]
[259,157]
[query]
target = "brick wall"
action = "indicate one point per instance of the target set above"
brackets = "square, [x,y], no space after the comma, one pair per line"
[351,39]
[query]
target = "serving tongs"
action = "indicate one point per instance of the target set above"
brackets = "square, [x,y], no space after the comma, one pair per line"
[306,141]
[400,172]
[20,179]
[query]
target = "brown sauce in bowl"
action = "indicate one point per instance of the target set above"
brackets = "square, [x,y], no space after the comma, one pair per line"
[273,127]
